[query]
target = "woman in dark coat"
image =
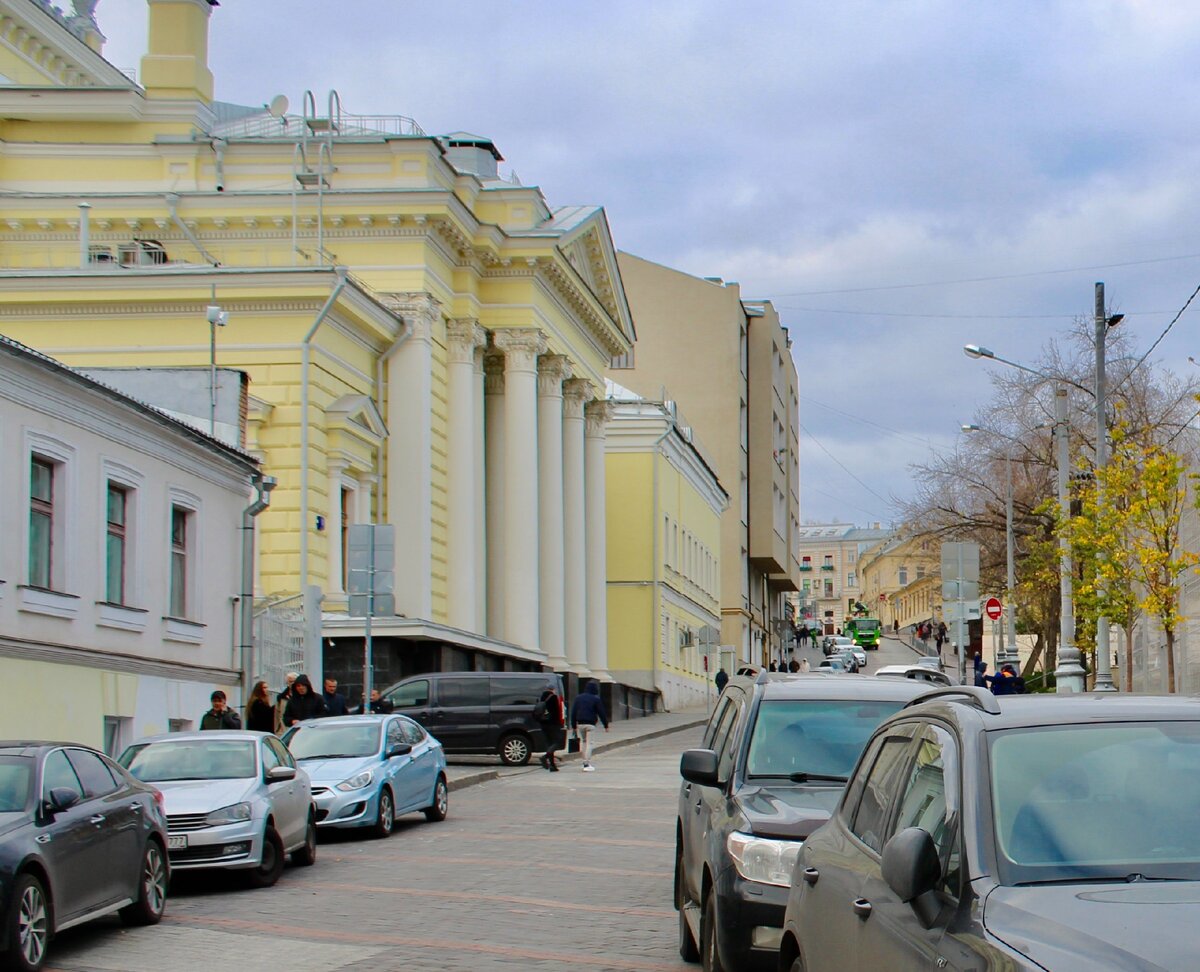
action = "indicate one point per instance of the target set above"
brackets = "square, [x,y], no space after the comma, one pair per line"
[260,714]
[304,703]
[551,728]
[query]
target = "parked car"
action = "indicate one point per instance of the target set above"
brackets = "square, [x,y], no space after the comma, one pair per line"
[849,659]
[368,770]
[773,761]
[836,665]
[860,656]
[1019,833]
[234,800]
[836,643]
[478,712]
[930,661]
[919,672]
[79,838]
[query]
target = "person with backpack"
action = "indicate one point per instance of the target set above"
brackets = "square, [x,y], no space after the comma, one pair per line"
[586,711]
[548,711]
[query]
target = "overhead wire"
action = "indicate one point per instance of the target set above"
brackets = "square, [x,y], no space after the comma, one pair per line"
[842,465]
[1157,341]
[866,421]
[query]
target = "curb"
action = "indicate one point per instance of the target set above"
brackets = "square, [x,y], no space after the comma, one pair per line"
[486,776]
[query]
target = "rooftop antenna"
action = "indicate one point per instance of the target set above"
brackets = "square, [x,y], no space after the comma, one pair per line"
[278,106]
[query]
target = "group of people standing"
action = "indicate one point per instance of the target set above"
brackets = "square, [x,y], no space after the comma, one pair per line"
[927,629]
[587,711]
[1007,681]
[296,703]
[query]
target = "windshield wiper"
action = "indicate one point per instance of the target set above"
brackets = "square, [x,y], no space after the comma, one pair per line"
[333,756]
[806,777]
[1134,878]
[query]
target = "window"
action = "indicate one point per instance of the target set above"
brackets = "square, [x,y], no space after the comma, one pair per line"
[413,733]
[282,753]
[902,576]
[116,734]
[95,776]
[270,758]
[395,735]
[41,522]
[829,588]
[851,579]
[517,689]
[871,819]
[57,774]
[179,725]
[114,545]
[717,724]
[344,513]
[728,744]
[920,571]
[410,694]
[179,561]
[463,692]
[925,802]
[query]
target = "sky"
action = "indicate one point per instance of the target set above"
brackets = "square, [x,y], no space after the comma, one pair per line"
[900,179]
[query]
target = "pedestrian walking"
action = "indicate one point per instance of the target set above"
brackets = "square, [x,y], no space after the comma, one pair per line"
[722,679]
[895,625]
[549,712]
[304,703]
[281,701]
[220,716]
[804,665]
[380,705]
[793,666]
[586,711]
[981,675]
[260,714]
[335,702]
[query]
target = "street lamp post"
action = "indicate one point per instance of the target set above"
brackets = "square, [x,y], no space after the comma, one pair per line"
[1104,679]
[1069,676]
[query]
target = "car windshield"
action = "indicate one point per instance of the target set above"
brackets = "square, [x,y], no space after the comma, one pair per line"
[1097,801]
[813,736]
[331,742]
[866,625]
[190,759]
[15,775]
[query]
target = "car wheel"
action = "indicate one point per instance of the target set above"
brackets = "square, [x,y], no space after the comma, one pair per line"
[306,856]
[271,864]
[148,908]
[688,950]
[437,810]
[28,925]
[514,749]
[710,956]
[797,965]
[386,819]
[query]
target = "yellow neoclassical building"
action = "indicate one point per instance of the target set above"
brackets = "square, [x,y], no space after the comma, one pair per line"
[425,341]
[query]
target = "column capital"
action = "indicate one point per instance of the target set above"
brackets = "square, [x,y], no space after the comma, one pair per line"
[598,414]
[553,369]
[521,347]
[577,392]
[493,374]
[419,311]
[463,337]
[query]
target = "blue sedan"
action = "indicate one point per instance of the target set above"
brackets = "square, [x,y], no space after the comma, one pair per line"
[367,770]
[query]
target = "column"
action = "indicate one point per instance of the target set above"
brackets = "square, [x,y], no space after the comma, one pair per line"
[521,349]
[493,396]
[576,393]
[552,370]
[478,477]
[410,456]
[333,528]
[363,498]
[463,546]
[597,416]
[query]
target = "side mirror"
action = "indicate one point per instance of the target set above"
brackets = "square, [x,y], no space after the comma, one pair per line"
[401,749]
[62,798]
[911,868]
[277,774]
[699,766]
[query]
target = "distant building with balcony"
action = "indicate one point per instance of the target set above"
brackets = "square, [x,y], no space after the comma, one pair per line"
[830,578]
[902,576]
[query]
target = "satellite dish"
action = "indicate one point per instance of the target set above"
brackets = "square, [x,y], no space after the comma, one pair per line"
[278,106]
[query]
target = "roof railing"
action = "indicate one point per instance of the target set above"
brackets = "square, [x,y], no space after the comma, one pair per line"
[976,695]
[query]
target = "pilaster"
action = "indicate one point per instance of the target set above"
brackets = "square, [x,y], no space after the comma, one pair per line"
[553,369]
[596,415]
[576,393]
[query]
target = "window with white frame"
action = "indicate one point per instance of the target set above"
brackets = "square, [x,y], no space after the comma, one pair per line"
[181,543]
[42,476]
[902,575]
[115,543]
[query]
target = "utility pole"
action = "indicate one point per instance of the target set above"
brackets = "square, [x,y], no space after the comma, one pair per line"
[1104,679]
[1069,676]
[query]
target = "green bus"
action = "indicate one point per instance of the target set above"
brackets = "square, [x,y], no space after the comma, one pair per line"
[866,632]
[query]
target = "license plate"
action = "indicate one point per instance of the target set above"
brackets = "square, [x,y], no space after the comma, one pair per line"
[176,842]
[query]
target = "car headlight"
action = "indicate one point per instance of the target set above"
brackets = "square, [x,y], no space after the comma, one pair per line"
[762,860]
[355,782]
[226,815]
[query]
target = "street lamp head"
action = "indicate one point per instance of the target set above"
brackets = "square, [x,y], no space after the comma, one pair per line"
[970,427]
[1115,320]
[975,351]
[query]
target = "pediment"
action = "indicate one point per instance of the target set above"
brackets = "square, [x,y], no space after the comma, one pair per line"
[590,252]
[357,416]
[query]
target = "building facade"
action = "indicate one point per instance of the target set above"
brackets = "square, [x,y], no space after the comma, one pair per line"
[831,587]
[902,575]
[425,341]
[664,539]
[123,561]
[729,365]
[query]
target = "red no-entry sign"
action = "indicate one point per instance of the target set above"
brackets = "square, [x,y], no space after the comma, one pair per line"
[992,608]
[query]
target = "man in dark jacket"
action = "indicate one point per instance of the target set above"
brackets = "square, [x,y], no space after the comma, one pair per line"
[722,677]
[304,703]
[220,716]
[586,711]
[335,702]
[551,723]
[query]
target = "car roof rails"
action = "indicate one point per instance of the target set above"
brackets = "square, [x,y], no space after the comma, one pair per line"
[764,676]
[980,697]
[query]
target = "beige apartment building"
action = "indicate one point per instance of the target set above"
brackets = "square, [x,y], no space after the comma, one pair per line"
[727,364]
[830,579]
[902,575]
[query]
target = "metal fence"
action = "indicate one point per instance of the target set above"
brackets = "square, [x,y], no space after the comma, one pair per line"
[279,639]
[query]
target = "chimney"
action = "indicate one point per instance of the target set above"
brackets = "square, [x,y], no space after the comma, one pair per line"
[176,64]
[474,154]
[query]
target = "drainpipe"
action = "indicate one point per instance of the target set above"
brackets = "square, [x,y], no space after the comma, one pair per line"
[173,209]
[305,361]
[263,486]
[656,555]
[381,390]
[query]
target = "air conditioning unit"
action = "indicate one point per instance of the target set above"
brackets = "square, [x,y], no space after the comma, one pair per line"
[142,253]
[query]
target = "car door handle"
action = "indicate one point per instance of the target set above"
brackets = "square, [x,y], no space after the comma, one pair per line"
[136,808]
[98,819]
[862,908]
[42,839]
[810,875]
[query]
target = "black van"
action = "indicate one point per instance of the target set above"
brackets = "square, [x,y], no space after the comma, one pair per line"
[478,712]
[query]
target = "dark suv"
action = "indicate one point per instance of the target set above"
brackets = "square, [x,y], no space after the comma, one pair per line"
[1022,833]
[777,752]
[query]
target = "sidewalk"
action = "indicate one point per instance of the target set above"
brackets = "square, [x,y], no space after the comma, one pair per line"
[469,770]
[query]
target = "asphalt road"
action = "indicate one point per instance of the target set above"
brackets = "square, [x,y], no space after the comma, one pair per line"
[535,871]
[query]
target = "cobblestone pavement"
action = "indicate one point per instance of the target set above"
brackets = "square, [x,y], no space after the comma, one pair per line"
[532,871]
